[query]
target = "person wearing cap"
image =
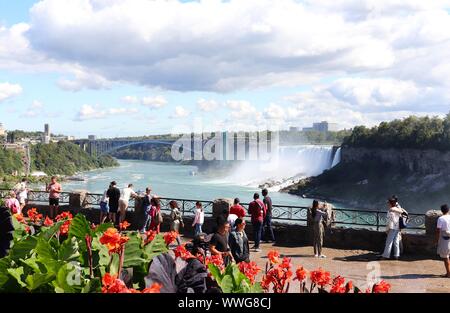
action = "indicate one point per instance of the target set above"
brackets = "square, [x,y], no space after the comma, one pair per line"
[393,229]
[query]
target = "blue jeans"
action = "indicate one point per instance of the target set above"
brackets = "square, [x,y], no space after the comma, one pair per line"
[392,242]
[146,221]
[198,229]
[257,232]
[268,223]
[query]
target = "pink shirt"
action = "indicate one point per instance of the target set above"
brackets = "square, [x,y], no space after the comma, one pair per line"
[53,189]
[14,205]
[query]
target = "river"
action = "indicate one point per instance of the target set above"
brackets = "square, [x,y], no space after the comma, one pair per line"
[172,180]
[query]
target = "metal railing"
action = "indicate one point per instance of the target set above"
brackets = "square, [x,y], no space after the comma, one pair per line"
[351,218]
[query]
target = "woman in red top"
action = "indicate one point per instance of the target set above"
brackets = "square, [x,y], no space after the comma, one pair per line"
[155,211]
[238,209]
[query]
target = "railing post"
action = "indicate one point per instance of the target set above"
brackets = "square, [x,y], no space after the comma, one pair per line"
[378,221]
[182,205]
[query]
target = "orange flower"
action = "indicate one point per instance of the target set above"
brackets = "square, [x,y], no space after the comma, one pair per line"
[149,236]
[349,287]
[301,274]
[64,229]
[64,215]
[250,270]
[19,218]
[124,225]
[274,257]
[183,253]
[48,221]
[217,260]
[381,287]
[155,288]
[34,215]
[320,277]
[113,240]
[113,285]
[170,237]
[338,285]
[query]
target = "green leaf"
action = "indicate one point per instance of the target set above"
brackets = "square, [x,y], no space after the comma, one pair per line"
[31,263]
[17,274]
[48,232]
[215,272]
[133,252]
[69,250]
[93,286]
[45,251]
[79,227]
[5,264]
[69,278]
[23,248]
[226,284]
[37,280]
[156,247]
[100,229]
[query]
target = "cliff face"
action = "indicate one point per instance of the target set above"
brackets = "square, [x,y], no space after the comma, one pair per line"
[424,162]
[365,178]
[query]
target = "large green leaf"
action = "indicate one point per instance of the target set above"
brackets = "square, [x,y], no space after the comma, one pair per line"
[45,251]
[100,229]
[156,247]
[69,278]
[226,284]
[37,280]
[80,227]
[23,248]
[133,251]
[69,250]
[48,232]
[5,263]
[215,272]
[17,274]
[93,286]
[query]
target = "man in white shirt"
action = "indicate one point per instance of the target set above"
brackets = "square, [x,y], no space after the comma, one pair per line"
[124,201]
[443,237]
[21,190]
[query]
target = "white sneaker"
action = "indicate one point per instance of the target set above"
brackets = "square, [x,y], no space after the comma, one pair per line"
[316,255]
[323,256]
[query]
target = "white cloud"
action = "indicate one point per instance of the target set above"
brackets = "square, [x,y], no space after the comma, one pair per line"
[130,99]
[207,105]
[83,80]
[274,112]
[180,112]
[242,109]
[89,112]
[154,102]
[181,46]
[8,91]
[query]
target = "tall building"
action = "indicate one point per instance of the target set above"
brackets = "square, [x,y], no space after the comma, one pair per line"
[323,126]
[2,130]
[47,136]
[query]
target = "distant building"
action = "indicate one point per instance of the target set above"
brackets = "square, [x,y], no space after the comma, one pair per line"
[92,137]
[323,126]
[47,136]
[2,130]
[294,129]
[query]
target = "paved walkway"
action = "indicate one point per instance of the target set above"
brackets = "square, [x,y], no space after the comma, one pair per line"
[418,274]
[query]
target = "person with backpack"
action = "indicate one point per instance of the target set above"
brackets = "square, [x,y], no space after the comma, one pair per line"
[146,204]
[393,230]
[13,204]
[155,215]
[257,210]
[318,216]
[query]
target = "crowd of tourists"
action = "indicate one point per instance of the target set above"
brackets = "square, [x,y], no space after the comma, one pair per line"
[229,238]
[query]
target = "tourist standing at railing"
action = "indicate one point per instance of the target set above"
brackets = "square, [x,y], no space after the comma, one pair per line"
[146,204]
[21,191]
[238,209]
[54,189]
[443,234]
[113,196]
[267,224]
[124,201]
[176,218]
[104,206]
[239,246]
[317,217]
[13,204]
[257,209]
[393,230]
[199,219]
[155,215]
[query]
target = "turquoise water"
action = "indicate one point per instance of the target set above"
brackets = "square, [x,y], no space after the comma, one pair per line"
[171,180]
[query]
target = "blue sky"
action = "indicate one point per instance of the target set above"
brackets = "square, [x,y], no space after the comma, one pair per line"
[124,67]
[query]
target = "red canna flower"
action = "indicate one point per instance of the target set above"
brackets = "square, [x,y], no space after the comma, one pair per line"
[113,285]
[381,287]
[34,215]
[149,236]
[155,288]
[286,263]
[217,260]
[124,225]
[338,285]
[301,274]
[349,287]
[170,237]
[250,270]
[113,240]
[64,229]
[64,215]
[183,253]
[320,277]
[19,218]
[274,257]
[48,221]
[27,229]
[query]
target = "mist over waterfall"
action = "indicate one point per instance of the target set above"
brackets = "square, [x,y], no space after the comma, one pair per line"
[287,165]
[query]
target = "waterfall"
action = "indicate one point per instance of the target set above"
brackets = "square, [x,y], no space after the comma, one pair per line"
[287,165]
[336,158]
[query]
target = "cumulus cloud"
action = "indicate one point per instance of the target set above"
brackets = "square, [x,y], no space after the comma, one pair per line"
[8,91]
[242,109]
[154,102]
[83,80]
[89,112]
[207,105]
[180,112]
[228,45]
[130,99]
